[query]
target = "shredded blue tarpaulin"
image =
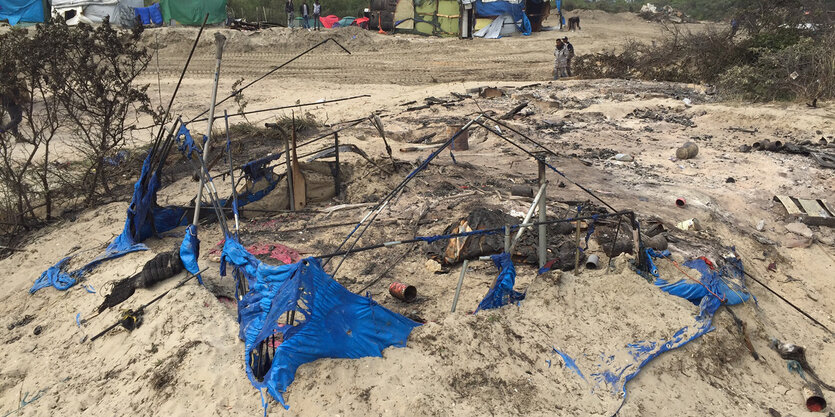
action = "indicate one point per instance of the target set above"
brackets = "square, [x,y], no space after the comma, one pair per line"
[54,276]
[569,363]
[501,293]
[137,228]
[725,280]
[335,323]
[614,371]
[190,251]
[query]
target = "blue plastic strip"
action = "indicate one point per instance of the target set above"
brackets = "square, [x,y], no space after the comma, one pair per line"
[501,293]
[190,251]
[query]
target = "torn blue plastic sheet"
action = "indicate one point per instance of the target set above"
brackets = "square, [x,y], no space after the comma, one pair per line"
[332,322]
[501,293]
[190,251]
[137,228]
[615,370]
[727,282]
[569,363]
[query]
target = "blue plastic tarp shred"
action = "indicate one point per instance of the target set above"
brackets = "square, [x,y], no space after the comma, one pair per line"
[190,251]
[569,363]
[501,293]
[615,370]
[54,276]
[142,220]
[723,281]
[332,322]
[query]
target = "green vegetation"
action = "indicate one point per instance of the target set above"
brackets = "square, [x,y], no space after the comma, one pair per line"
[255,10]
[782,51]
[698,9]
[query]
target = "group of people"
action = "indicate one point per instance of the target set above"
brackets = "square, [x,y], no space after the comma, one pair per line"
[304,10]
[563,54]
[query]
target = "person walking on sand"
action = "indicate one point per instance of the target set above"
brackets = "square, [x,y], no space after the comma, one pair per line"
[305,12]
[560,60]
[291,13]
[317,11]
[569,55]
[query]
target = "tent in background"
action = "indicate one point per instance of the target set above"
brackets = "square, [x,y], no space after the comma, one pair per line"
[192,12]
[443,17]
[28,11]
[94,11]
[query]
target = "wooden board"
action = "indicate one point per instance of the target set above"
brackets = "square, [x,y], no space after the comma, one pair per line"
[814,212]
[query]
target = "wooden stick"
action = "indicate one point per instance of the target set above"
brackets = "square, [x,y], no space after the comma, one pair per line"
[577,248]
[543,217]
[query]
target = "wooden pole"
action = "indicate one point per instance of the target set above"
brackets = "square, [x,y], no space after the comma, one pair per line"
[542,248]
[289,174]
[460,283]
[336,180]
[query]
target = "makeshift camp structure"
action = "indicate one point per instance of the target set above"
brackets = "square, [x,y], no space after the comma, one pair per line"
[454,18]
[74,12]
[192,12]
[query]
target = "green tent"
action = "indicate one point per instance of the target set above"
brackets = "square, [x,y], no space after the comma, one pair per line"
[192,12]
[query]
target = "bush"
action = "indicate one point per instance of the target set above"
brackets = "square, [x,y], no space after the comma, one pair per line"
[773,61]
[76,83]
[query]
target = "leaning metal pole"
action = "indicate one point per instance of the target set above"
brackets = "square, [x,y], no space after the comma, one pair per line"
[220,40]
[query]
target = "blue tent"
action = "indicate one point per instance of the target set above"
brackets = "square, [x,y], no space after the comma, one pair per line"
[21,11]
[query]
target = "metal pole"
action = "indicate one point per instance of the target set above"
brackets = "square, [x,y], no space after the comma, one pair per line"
[528,216]
[220,40]
[460,282]
[231,173]
[336,179]
[289,175]
[543,217]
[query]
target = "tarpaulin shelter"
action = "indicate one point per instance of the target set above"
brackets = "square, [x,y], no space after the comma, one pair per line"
[28,11]
[192,12]
[445,17]
[391,14]
[329,21]
[120,12]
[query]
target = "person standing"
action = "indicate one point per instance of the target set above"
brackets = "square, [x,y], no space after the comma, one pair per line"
[291,13]
[317,11]
[10,102]
[569,55]
[305,11]
[560,60]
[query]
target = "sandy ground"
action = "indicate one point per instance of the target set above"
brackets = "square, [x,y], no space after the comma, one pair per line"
[186,359]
